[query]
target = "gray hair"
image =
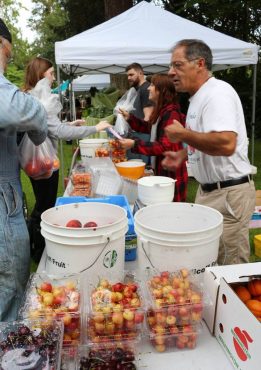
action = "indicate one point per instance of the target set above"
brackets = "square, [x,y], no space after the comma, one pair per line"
[195,49]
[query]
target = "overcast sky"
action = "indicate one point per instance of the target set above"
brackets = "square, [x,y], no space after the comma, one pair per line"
[23,19]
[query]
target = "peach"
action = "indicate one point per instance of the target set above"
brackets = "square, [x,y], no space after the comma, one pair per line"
[254,286]
[243,293]
[254,306]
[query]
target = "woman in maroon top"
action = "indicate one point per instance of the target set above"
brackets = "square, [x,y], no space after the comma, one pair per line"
[166,109]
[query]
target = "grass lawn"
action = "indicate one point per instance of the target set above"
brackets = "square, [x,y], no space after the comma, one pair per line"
[192,186]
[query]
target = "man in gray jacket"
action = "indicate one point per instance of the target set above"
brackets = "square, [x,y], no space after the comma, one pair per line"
[18,112]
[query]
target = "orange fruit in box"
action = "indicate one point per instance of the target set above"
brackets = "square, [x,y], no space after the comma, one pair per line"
[254,286]
[255,307]
[243,293]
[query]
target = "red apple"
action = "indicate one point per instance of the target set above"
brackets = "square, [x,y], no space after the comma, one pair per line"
[90,224]
[46,287]
[118,287]
[74,223]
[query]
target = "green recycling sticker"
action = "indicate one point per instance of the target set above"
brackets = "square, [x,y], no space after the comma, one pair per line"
[110,259]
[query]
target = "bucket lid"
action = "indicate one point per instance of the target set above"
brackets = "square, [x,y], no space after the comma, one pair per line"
[155,180]
[93,141]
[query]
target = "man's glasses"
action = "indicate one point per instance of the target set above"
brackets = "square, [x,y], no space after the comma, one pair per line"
[180,64]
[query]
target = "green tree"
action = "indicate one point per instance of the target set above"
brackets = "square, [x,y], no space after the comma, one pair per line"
[49,20]
[236,18]
[21,48]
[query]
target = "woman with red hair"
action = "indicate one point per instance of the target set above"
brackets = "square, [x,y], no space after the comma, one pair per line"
[166,108]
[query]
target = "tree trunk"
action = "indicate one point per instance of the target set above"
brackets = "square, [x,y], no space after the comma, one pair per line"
[115,7]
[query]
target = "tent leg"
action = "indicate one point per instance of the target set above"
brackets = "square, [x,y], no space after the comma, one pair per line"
[60,141]
[253,113]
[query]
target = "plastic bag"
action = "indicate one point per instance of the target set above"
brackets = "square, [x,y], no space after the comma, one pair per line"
[37,161]
[126,102]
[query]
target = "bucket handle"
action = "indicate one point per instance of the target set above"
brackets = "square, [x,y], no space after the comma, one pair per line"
[146,242]
[96,259]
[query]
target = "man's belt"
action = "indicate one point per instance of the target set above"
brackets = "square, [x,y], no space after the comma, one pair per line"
[225,184]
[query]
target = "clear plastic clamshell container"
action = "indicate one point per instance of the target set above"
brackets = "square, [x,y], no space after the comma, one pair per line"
[176,296]
[55,297]
[116,308]
[175,306]
[30,344]
[120,355]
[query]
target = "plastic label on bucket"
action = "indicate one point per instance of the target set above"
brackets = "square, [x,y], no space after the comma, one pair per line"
[110,259]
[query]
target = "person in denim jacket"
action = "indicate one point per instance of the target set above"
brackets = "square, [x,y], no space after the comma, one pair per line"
[18,112]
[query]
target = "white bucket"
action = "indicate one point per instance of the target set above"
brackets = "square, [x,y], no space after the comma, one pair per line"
[89,146]
[156,189]
[91,250]
[175,235]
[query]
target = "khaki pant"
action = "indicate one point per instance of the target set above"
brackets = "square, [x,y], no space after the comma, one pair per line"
[236,203]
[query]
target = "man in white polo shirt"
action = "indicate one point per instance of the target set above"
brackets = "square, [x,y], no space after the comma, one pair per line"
[217,146]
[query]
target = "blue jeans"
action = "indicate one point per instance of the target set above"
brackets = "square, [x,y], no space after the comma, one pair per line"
[14,249]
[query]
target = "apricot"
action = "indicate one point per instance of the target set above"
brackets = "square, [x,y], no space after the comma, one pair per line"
[243,293]
[254,306]
[254,286]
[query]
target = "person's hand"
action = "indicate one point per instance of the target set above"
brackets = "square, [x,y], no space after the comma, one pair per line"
[173,160]
[174,131]
[102,125]
[127,143]
[78,122]
[126,115]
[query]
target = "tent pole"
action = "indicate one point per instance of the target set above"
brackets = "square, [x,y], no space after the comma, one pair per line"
[60,141]
[253,113]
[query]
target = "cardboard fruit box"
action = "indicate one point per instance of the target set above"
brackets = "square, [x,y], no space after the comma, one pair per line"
[237,330]
[232,274]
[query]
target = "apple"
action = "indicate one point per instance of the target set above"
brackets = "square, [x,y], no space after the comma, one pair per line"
[130,324]
[74,223]
[128,315]
[90,224]
[57,291]
[70,285]
[117,318]
[98,317]
[133,287]
[58,300]
[138,317]
[171,320]
[159,329]
[184,272]
[104,283]
[160,347]
[165,274]
[75,334]
[195,298]
[157,293]
[48,299]
[67,339]
[99,327]
[159,339]
[135,302]
[127,292]
[46,287]
[109,327]
[118,287]
[67,319]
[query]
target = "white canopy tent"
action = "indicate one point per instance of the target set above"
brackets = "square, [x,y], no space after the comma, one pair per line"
[146,34]
[85,82]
